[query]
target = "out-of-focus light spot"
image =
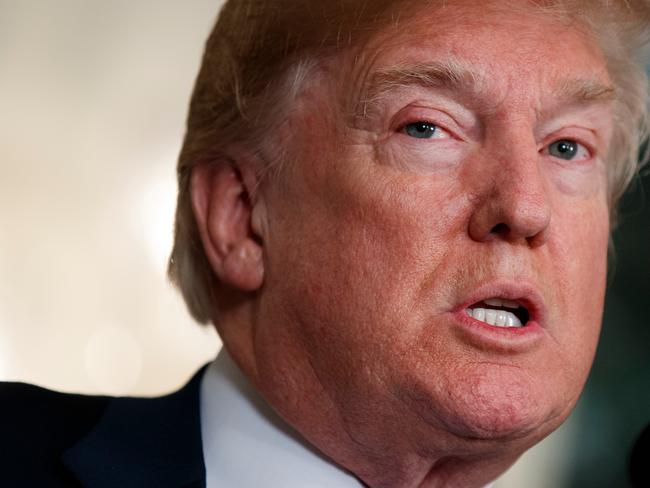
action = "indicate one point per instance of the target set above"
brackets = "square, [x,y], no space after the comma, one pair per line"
[155,225]
[113,359]
[4,366]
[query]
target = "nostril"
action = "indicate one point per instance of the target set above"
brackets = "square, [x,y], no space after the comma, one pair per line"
[501,229]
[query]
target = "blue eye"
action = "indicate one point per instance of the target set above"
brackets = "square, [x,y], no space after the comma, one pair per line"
[565,149]
[422,130]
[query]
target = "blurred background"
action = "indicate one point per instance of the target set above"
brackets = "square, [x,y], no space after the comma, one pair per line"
[93,96]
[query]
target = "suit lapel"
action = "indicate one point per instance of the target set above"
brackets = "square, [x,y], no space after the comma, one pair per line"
[144,442]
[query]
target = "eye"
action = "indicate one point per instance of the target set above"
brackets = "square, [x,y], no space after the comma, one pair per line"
[568,150]
[424,130]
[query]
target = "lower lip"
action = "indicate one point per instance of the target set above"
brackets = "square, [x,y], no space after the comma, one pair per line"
[504,339]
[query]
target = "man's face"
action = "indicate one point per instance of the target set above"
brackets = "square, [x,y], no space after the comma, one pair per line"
[471,182]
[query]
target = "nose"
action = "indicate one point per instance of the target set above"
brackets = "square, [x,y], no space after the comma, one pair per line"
[513,202]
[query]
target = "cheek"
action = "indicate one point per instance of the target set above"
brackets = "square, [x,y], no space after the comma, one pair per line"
[584,240]
[372,227]
[381,242]
[581,270]
[362,246]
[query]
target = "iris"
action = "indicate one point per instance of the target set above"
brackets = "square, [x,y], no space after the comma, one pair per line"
[563,149]
[421,130]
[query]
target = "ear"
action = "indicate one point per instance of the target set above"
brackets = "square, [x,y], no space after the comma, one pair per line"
[222,209]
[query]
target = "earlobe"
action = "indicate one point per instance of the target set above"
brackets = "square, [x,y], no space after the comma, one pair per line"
[223,211]
[243,266]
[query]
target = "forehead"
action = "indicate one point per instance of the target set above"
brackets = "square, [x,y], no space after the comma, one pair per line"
[454,24]
[498,49]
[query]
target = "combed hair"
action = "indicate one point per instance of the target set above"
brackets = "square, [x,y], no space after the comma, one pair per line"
[261,53]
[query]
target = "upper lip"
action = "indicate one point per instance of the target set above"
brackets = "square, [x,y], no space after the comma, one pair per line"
[523,292]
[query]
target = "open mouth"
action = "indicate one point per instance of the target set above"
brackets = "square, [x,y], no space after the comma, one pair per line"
[499,312]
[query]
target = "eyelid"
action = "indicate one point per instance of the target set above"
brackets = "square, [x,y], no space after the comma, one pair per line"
[581,135]
[585,137]
[414,114]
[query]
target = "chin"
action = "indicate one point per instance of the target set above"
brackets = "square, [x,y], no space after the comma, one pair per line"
[497,403]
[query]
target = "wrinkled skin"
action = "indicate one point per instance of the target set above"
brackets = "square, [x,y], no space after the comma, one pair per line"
[373,241]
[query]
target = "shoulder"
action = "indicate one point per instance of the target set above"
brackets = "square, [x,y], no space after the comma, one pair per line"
[37,425]
[27,408]
[59,440]
[23,395]
[144,442]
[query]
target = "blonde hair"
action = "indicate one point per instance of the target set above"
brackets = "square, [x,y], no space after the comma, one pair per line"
[260,53]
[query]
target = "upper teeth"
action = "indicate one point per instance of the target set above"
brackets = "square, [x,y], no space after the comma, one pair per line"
[501,302]
[498,318]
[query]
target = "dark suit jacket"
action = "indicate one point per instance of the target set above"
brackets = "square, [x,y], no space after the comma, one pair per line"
[50,439]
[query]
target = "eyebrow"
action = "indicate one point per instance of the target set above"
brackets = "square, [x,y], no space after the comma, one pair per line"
[448,75]
[584,91]
[453,76]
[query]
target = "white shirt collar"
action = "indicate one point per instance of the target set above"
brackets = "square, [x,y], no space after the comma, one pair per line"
[247,445]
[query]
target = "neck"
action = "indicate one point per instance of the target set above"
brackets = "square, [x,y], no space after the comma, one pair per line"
[385,459]
[412,471]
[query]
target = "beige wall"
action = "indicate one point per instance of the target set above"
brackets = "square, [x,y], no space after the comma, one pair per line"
[92,101]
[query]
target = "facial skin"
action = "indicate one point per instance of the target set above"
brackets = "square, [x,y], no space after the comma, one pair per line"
[372,242]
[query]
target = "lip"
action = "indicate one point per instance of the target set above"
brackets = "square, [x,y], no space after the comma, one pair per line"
[485,336]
